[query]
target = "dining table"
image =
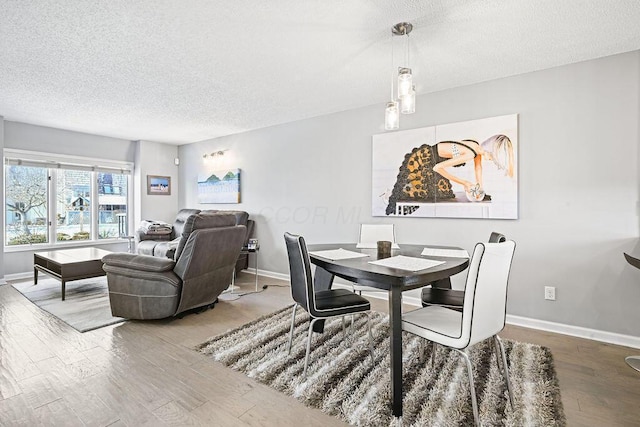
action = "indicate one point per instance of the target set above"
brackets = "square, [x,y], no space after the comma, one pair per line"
[361,271]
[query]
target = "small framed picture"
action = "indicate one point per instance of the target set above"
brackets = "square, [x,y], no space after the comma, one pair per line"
[159,185]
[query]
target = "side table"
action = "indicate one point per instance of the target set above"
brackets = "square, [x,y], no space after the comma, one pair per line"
[129,242]
[247,251]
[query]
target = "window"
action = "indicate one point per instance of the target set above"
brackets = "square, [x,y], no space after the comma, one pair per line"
[64,200]
[73,205]
[26,196]
[112,205]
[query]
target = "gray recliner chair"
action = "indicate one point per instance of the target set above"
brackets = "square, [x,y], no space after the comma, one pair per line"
[242,218]
[165,245]
[150,287]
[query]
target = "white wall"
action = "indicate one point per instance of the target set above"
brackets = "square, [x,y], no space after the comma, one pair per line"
[153,158]
[578,176]
[50,140]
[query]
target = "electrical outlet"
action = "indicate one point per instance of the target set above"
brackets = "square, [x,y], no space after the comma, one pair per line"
[550,293]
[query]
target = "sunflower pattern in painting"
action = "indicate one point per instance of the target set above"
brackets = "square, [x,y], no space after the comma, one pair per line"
[416,180]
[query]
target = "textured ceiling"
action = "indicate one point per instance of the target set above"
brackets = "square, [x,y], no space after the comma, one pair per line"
[184,71]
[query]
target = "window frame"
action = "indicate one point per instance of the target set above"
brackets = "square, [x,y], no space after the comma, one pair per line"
[53,163]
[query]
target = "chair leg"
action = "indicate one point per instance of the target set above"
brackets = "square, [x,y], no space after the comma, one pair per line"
[370,337]
[421,352]
[423,348]
[306,357]
[433,354]
[496,349]
[506,369]
[293,321]
[474,403]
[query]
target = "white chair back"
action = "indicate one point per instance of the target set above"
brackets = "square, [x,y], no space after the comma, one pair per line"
[370,234]
[485,297]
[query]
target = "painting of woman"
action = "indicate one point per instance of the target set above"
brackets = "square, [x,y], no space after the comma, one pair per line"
[426,173]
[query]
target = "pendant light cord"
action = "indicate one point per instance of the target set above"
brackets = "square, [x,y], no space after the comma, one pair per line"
[392,70]
[408,52]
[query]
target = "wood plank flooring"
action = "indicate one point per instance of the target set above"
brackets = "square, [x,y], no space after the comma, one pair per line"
[147,374]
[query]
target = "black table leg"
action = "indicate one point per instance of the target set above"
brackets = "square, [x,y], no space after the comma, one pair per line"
[322,281]
[395,325]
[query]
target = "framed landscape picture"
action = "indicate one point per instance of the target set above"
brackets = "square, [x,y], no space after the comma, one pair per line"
[221,186]
[159,185]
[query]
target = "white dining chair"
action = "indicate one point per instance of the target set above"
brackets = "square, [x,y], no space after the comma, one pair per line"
[483,311]
[436,294]
[370,234]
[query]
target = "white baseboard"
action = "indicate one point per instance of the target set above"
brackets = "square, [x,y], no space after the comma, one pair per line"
[575,331]
[527,322]
[271,274]
[19,276]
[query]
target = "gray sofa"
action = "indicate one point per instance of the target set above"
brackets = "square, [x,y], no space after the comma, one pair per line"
[150,287]
[164,245]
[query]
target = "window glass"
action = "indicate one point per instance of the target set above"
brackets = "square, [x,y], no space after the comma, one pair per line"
[26,195]
[73,205]
[112,205]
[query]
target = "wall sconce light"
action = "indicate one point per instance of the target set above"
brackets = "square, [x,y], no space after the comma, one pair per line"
[213,154]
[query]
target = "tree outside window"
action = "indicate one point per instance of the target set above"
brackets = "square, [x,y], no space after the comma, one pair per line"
[26,194]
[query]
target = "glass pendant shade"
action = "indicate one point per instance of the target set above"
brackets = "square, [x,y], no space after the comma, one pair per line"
[408,102]
[391,116]
[405,81]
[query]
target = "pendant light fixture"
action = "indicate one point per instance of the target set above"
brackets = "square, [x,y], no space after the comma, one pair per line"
[405,81]
[391,116]
[408,101]
[405,102]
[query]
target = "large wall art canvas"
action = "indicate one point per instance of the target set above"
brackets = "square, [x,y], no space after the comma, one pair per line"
[457,170]
[221,186]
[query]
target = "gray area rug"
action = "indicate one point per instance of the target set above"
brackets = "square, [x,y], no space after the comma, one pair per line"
[86,305]
[343,382]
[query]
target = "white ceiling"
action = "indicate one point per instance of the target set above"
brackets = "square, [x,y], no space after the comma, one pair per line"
[183,71]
